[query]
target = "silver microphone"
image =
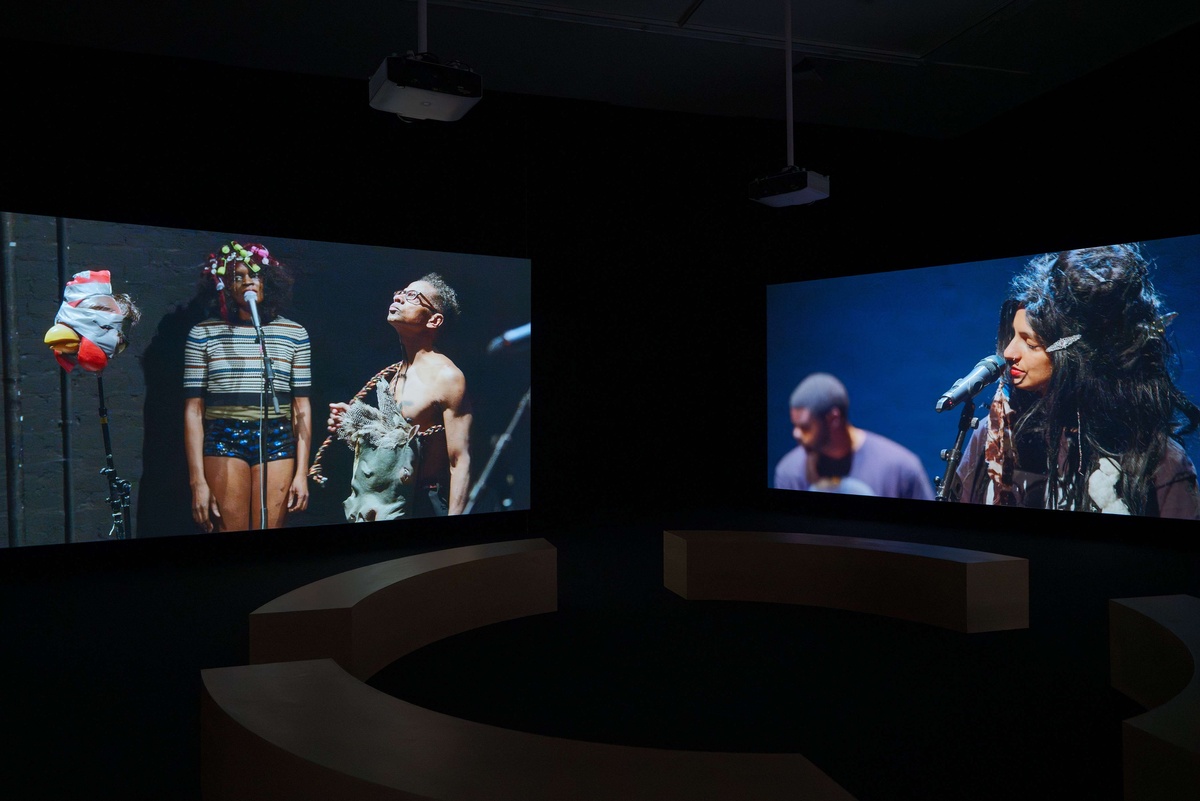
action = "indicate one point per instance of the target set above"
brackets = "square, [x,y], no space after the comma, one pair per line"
[252,298]
[509,338]
[965,388]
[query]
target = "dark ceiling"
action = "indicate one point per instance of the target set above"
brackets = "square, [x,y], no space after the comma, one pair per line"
[935,68]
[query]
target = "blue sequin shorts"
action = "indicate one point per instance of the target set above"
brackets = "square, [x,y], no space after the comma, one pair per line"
[239,439]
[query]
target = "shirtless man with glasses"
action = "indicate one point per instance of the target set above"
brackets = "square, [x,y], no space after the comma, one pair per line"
[412,447]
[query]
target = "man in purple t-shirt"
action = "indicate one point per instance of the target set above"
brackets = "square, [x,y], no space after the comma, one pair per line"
[834,456]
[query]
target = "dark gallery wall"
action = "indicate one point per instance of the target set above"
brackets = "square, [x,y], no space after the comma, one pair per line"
[648,270]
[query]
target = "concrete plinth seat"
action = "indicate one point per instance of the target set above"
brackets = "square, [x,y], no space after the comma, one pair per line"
[301,723]
[962,590]
[1154,653]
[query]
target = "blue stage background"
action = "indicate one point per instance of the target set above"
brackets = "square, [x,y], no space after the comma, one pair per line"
[898,340]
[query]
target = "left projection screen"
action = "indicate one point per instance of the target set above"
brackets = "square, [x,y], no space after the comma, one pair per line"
[56,467]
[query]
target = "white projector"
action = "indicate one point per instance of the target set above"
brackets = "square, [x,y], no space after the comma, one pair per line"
[792,187]
[424,90]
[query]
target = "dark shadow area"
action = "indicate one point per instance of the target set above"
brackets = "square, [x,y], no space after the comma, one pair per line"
[165,502]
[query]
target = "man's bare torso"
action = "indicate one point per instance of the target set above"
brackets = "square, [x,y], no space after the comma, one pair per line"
[419,390]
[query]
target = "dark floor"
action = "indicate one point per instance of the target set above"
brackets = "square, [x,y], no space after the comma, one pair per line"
[891,710]
[104,644]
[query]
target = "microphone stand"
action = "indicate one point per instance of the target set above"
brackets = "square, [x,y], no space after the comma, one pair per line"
[953,456]
[118,488]
[501,444]
[268,386]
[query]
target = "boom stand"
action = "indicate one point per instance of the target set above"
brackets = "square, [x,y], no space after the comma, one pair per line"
[268,386]
[952,457]
[501,444]
[118,488]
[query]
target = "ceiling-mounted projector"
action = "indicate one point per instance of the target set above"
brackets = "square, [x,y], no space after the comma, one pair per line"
[792,187]
[417,89]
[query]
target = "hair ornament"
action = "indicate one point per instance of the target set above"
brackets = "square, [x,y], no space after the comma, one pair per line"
[217,270]
[254,257]
[1157,327]
[232,254]
[1064,342]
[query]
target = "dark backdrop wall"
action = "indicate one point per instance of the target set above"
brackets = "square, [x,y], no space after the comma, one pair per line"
[648,267]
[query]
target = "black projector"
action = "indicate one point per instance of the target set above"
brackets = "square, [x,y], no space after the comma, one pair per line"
[792,187]
[424,90]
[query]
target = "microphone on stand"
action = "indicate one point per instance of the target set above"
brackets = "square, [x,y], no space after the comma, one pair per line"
[509,338]
[252,298]
[268,373]
[965,388]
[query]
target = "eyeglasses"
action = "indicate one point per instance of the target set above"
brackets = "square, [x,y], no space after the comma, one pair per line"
[413,296]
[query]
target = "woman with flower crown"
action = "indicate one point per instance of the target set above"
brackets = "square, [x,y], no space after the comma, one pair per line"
[233,427]
[1087,416]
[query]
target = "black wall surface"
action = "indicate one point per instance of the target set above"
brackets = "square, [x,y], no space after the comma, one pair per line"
[648,270]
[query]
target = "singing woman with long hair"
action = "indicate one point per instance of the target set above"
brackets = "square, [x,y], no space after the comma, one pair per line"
[1088,415]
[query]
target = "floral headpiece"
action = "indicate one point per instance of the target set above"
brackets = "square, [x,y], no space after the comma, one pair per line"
[255,257]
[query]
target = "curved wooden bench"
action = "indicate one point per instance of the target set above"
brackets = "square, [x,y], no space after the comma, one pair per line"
[310,730]
[367,618]
[1154,655]
[301,724]
[969,591]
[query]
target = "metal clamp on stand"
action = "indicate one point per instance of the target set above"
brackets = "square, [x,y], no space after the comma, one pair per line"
[118,488]
[953,456]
